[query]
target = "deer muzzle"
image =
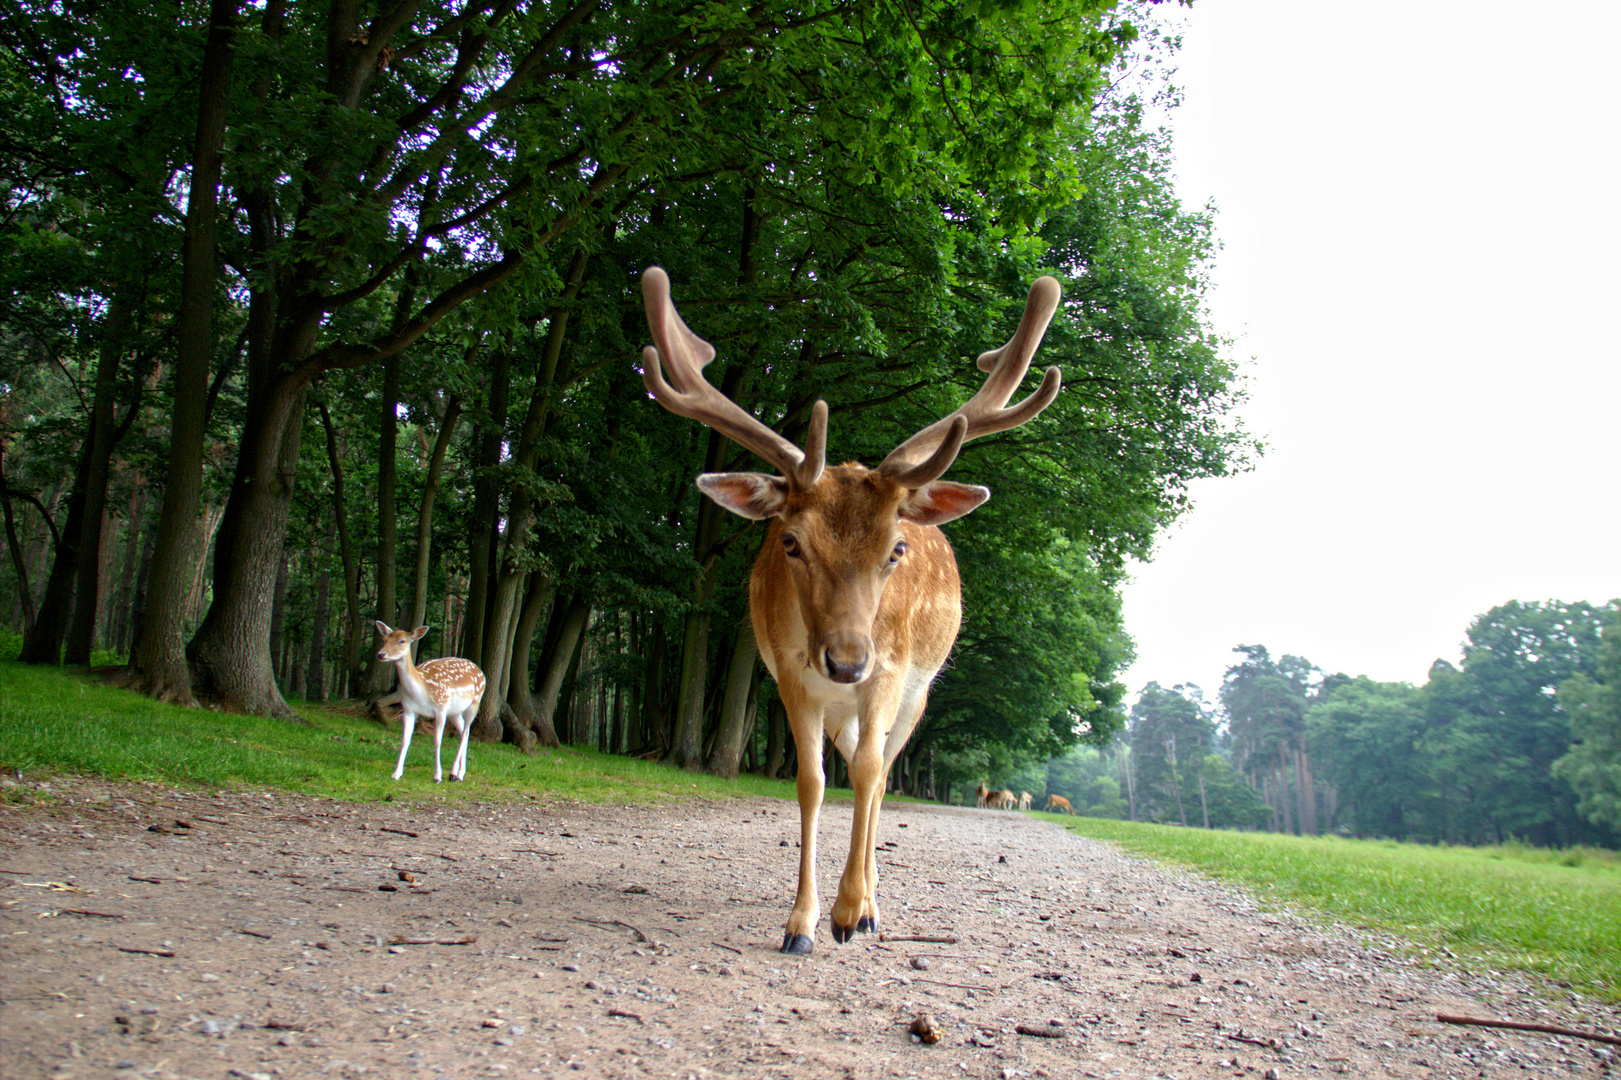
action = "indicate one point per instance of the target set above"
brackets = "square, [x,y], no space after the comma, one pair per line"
[846,656]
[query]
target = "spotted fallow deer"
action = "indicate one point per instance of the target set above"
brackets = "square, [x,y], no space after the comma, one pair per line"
[1055,803]
[983,795]
[855,597]
[448,688]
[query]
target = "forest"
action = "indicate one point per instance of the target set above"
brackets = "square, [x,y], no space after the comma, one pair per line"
[1520,742]
[318,315]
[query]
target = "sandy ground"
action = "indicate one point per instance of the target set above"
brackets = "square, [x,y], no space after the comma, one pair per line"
[146,932]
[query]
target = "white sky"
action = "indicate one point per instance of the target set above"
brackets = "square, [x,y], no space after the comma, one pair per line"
[1419,207]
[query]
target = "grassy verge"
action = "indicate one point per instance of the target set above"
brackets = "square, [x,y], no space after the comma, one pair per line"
[1556,913]
[56,722]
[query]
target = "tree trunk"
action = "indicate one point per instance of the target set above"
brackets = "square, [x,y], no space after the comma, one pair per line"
[315,675]
[44,645]
[514,565]
[1285,799]
[530,730]
[81,632]
[278,618]
[653,647]
[230,653]
[346,553]
[686,743]
[776,739]
[486,507]
[19,560]
[430,491]
[736,717]
[159,667]
[557,661]
[123,597]
[379,674]
[1308,792]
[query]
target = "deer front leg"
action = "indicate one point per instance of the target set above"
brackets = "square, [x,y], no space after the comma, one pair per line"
[409,724]
[464,724]
[799,937]
[439,718]
[856,908]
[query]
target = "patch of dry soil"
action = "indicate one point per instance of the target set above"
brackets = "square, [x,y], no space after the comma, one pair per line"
[156,933]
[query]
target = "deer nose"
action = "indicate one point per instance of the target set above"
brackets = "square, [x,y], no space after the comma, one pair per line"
[844,658]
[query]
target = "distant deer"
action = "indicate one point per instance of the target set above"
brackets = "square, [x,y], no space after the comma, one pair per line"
[855,596]
[1056,803]
[983,795]
[1025,799]
[449,688]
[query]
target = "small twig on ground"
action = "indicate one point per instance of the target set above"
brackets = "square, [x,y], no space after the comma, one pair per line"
[925,938]
[253,933]
[147,952]
[468,940]
[1270,1043]
[954,986]
[96,914]
[400,832]
[728,948]
[1546,1029]
[624,1015]
[615,922]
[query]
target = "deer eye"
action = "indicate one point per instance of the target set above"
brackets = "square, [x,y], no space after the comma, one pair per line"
[790,545]
[897,552]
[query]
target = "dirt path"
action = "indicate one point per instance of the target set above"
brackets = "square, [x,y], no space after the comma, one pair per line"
[150,933]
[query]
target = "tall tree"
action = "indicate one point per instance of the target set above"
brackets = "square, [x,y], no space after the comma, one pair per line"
[1497,724]
[1592,766]
[158,666]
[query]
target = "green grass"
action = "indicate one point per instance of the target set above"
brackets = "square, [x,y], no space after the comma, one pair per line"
[1556,913]
[53,721]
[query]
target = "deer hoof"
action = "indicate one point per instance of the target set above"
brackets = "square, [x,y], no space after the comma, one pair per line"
[842,934]
[866,925]
[797,944]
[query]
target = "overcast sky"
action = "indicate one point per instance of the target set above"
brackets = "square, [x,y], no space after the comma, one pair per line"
[1418,203]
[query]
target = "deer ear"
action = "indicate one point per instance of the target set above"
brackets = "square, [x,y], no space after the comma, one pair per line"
[416,635]
[941,501]
[383,629]
[751,495]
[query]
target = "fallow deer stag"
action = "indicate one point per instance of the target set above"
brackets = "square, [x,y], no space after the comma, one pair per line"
[855,597]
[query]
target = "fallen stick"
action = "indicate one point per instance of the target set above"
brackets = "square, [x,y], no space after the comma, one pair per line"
[400,832]
[96,914]
[147,952]
[955,986]
[615,922]
[1515,1025]
[622,1014]
[926,938]
[468,940]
